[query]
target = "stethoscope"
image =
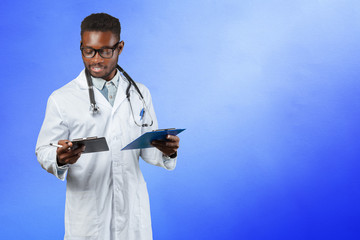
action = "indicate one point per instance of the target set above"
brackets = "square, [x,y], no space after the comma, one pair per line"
[95,109]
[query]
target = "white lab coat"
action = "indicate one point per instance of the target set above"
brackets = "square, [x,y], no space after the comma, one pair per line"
[106,195]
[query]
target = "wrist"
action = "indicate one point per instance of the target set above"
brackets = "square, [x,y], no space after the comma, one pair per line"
[58,162]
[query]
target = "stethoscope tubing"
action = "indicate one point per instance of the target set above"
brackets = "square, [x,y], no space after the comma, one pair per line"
[95,109]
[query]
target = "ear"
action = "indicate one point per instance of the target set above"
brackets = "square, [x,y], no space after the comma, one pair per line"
[121,46]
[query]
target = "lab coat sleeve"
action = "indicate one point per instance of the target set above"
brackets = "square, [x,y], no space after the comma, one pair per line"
[153,155]
[53,129]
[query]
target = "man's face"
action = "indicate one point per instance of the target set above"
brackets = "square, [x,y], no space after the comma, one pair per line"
[98,66]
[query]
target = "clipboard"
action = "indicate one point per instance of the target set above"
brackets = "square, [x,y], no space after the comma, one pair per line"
[92,144]
[144,141]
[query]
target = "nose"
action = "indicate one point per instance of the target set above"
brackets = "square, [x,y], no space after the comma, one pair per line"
[97,58]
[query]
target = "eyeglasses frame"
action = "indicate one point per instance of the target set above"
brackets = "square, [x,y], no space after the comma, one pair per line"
[98,50]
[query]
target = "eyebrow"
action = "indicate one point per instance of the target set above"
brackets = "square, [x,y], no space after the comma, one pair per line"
[98,48]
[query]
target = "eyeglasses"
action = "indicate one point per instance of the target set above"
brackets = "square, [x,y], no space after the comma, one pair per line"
[104,52]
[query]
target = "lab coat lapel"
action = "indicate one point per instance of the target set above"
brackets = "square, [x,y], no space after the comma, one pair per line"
[120,94]
[101,100]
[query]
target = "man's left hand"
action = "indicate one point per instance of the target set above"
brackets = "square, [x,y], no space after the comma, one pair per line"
[169,146]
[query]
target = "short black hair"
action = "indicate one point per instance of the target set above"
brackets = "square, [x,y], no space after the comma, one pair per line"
[101,22]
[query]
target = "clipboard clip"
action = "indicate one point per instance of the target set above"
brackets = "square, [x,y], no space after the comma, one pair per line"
[165,129]
[88,138]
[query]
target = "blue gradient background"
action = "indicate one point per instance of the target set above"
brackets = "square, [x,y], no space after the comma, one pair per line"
[268,91]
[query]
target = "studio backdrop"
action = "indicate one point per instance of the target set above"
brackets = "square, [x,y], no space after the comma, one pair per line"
[268,92]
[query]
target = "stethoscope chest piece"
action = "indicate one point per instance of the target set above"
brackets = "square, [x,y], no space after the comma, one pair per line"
[94,108]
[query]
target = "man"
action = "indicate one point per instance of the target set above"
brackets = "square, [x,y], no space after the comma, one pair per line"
[106,195]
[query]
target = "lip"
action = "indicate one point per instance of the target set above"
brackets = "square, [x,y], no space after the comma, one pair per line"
[97,69]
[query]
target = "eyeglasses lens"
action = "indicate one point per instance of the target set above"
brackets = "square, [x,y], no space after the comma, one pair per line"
[106,52]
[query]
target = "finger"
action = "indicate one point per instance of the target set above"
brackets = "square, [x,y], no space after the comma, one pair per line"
[166,144]
[172,138]
[74,159]
[66,145]
[70,157]
[71,160]
[65,142]
[158,144]
[161,142]
[71,153]
[78,150]
[68,153]
[169,138]
[167,151]
[63,150]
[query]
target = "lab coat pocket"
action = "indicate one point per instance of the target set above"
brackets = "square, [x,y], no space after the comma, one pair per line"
[81,217]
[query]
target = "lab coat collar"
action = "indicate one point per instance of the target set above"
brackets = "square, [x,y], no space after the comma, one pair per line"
[81,80]
[99,83]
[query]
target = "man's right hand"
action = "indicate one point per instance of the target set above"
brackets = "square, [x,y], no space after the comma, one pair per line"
[65,155]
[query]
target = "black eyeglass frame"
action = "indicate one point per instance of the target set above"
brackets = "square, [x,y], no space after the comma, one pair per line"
[99,50]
